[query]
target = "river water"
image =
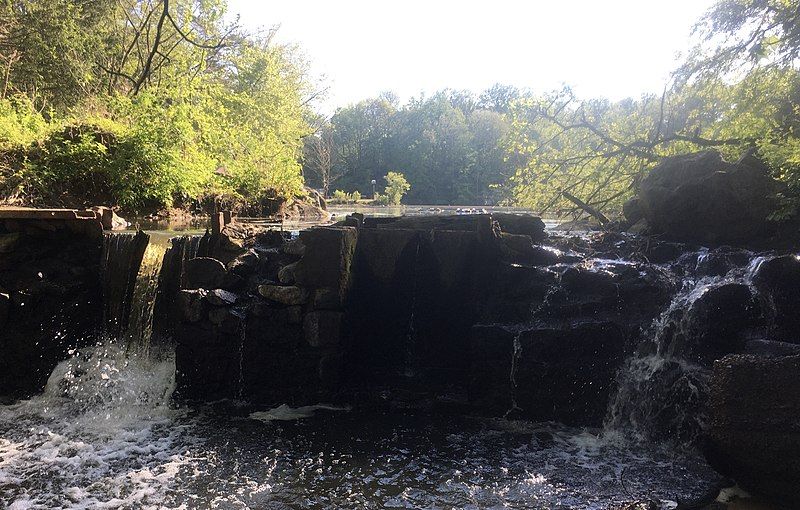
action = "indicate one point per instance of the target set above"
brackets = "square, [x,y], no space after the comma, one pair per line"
[106,434]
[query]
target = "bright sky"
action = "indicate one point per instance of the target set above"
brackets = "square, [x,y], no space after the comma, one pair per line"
[613,48]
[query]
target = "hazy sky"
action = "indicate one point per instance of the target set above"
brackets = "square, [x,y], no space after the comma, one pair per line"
[614,48]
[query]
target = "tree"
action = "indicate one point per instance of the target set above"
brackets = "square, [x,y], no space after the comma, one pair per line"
[396,187]
[320,152]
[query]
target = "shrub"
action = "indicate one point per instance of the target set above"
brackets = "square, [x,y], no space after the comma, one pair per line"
[396,187]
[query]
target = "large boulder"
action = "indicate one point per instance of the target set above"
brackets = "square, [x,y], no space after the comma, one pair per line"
[778,282]
[755,433]
[702,198]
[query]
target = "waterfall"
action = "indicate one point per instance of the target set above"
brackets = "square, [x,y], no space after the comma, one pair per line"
[140,323]
[411,334]
[513,374]
[121,258]
[662,391]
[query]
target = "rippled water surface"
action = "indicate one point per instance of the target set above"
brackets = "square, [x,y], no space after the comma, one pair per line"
[105,436]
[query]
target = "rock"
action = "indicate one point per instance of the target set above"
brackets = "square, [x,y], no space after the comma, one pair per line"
[218,315]
[328,257]
[330,370]
[565,375]
[119,277]
[327,299]
[191,304]
[720,261]
[754,432]
[245,264]
[380,250]
[702,198]
[520,249]
[9,242]
[219,297]
[285,295]
[204,273]
[778,282]
[771,349]
[109,219]
[322,328]
[294,314]
[286,274]
[717,323]
[521,224]
[294,247]
[5,304]
[632,209]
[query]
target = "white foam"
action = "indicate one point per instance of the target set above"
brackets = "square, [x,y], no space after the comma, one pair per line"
[102,435]
[286,413]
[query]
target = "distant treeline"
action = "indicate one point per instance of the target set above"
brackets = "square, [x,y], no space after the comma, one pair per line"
[737,89]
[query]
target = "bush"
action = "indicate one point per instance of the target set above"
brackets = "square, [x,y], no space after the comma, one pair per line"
[340,197]
[381,199]
[396,187]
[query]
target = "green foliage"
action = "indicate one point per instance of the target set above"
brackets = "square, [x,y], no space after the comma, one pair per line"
[381,200]
[141,124]
[450,145]
[396,187]
[341,197]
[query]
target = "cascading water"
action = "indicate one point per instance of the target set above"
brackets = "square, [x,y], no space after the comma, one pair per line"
[662,390]
[411,334]
[140,324]
[101,435]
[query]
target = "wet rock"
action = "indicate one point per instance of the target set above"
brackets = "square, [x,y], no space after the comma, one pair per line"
[245,264]
[521,224]
[9,242]
[754,433]
[5,304]
[718,323]
[191,304]
[637,292]
[778,282]
[632,209]
[294,247]
[285,295]
[219,297]
[286,274]
[204,273]
[565,375]
[328,257]
[520,249]
[322,328]
[771,349]
[218,316]
[516,292]
[380,251]
[330,370]
[700,197]
[327,299]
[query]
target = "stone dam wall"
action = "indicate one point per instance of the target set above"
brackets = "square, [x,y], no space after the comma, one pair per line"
[483,314]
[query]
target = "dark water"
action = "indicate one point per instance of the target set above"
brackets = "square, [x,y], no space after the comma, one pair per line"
[104,435]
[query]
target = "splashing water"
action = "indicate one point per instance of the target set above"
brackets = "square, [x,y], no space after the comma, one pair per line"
[102,435]
[140,325]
